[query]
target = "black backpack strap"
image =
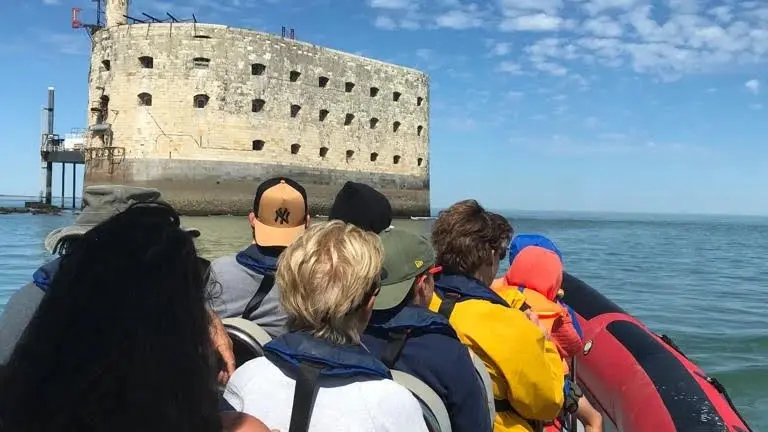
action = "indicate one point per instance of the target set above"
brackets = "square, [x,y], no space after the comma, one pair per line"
[395,345]
[447,305]
[264,288]
[304,397]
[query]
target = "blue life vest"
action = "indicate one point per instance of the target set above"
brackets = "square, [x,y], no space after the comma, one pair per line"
[43,276]
[292,349]
[466,288]
[253,259]
[415,319]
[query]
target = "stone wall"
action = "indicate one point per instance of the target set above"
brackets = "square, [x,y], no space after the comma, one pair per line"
[210,93]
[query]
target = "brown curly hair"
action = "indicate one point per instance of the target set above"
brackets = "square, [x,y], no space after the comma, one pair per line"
[464,236]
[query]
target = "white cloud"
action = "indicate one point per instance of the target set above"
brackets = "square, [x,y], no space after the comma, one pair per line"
[510,67]
[391,4]
[51,2]
[665,38]
[722,13]
[385,22]
[501,48]
[520,7]
[753,86]
[535,22]
[515,94]
[460,19]
[550,68]
[603,26]
[594,7]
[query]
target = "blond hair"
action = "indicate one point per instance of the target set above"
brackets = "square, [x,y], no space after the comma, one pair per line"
[325,276]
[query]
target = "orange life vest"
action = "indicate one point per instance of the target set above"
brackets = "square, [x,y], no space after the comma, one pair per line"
[547,311]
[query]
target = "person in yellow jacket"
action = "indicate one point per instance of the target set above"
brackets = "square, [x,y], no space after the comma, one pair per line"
[525,367]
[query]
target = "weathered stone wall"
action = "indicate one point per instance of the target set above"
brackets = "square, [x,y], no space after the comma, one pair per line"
[223,125]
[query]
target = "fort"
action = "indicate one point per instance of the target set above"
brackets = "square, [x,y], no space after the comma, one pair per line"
[205,112]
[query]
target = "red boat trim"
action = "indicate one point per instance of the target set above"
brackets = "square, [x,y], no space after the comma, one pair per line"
[689,407]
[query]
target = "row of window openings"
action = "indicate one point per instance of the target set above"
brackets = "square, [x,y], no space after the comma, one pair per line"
[258,145]
[259,69]
[200,101]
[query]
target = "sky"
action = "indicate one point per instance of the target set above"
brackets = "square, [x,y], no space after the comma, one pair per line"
[586,105]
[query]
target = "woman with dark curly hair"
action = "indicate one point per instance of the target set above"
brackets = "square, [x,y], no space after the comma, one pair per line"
[121,342]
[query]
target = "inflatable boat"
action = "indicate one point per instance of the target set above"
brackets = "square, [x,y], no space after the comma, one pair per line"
[640,381]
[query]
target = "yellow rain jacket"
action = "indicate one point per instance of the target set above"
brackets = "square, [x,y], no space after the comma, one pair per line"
[525,368]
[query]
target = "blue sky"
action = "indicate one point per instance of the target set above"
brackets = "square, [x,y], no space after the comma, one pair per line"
[596,105]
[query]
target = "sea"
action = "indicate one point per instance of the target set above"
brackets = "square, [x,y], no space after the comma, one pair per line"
[702,280]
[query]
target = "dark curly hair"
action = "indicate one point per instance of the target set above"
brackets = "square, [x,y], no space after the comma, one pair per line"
[121,340]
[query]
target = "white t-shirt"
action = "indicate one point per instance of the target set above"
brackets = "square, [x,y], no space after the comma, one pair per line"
[261,389]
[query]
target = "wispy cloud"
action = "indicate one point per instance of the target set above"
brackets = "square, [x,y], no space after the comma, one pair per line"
[753,86]
[501,48]
[691,39]
[51,2]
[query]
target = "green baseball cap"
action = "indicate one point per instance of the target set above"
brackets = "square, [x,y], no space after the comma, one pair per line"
[406,255]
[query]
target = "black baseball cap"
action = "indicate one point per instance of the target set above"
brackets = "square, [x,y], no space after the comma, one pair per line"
[363,206]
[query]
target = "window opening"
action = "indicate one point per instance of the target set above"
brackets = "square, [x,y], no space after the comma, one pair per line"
[147,62]
[258,69]
[200,100]
[201,62]
[145,99]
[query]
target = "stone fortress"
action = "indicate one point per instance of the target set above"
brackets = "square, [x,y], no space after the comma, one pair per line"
[205,112]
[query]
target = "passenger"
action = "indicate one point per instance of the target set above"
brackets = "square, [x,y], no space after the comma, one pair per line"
[243,285]
[503,231]
[524,365]
[99,203]
[362,206]
[537,272]
[329,279]
[120,341]
[409,337]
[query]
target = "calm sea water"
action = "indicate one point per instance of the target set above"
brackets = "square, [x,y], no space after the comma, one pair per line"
[703,281]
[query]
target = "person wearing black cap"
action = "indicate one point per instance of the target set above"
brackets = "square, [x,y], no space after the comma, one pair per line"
[363,206]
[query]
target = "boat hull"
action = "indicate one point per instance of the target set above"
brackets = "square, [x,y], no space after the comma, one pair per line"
[639,380]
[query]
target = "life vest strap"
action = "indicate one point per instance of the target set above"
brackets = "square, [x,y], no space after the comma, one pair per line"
[304,397]
[267,281]
[447,305]
[395,345]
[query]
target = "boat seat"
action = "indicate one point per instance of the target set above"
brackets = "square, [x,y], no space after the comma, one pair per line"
[433,408]
[485,380]
[248,339]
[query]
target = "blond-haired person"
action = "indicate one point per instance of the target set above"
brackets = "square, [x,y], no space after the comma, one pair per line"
[317,375]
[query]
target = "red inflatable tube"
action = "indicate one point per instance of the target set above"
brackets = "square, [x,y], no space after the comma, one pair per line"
[641,381]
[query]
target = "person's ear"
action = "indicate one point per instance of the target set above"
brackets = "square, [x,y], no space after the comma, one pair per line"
[252,218]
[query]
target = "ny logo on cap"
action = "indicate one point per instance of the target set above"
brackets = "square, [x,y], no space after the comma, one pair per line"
[281,215]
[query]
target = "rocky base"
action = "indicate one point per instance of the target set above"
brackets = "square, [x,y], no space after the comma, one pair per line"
[199,188]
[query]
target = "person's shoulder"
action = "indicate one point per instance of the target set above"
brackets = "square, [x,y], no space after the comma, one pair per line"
[383,389]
